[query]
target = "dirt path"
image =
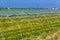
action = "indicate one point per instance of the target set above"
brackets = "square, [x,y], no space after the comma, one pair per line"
[54,36]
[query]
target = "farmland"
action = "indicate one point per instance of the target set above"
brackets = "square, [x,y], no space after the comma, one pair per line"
[30,27]
[20,9]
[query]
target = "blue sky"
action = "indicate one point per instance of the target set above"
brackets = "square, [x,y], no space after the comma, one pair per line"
[30,3]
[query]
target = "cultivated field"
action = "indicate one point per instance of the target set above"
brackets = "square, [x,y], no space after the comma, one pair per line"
[30,27]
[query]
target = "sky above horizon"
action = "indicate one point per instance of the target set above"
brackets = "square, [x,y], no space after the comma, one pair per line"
[30,3]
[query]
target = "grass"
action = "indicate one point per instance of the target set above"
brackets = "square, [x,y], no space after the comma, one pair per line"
[29,27]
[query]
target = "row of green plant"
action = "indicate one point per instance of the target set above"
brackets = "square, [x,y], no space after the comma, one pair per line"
[26,26]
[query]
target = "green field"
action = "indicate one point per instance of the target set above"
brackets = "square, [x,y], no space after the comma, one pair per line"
[20,9]
[30,27]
